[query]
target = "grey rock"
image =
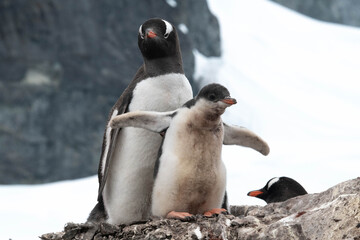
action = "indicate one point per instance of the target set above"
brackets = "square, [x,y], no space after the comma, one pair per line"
[332,214]
[335,11]
[63,64]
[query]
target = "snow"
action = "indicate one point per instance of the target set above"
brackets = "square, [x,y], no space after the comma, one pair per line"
[183,28]
[172,3]
[30,211]
[295,80]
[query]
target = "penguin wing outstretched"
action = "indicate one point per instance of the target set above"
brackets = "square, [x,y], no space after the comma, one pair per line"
[152,121]
[234,135]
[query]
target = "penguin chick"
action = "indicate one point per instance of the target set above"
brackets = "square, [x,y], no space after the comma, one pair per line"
[190,175]
[279,189]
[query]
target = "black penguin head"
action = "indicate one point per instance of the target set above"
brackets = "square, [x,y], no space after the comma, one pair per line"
[215,98]
[216,93]
[157,38]
[279,189]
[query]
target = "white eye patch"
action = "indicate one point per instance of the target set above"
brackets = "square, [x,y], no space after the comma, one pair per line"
[272,181]
[169,28]
[140,31]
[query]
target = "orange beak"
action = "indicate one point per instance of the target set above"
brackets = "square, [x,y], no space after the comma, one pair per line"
[255,193]
[151,34]
[229,100]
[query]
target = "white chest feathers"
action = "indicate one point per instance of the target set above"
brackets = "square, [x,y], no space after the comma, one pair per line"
[162,93]
[127,192]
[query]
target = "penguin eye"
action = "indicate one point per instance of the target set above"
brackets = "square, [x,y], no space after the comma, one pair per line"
[166,35]
[140,32]
[212,97]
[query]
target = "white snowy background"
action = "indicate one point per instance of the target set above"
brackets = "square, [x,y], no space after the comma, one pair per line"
[297,85]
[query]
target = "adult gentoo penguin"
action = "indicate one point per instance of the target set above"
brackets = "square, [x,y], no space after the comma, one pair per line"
[190,176]
[279,189]
[128,155]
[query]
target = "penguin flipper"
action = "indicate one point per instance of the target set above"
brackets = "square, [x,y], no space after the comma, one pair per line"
[110,135]
[106,154]
[152,121]
[234,135]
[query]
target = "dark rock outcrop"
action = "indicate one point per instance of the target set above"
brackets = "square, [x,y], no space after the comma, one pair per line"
[333,214]
[335,11]
[63,64]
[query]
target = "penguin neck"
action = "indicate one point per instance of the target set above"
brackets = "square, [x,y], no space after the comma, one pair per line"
[165,65]
[207,118]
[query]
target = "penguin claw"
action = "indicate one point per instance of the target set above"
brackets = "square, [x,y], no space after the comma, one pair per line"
[183,216]
[215,211]
[189,218]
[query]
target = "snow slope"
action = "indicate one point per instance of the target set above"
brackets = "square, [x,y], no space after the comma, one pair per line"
[297,85]
[296,82]
[27,212]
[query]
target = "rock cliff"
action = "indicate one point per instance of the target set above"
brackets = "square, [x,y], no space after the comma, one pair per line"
[344,12]
[332,214]
[63,64]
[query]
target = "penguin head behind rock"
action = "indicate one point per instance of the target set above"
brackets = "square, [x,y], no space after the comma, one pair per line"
[279,189]
[215,98]
[157,38]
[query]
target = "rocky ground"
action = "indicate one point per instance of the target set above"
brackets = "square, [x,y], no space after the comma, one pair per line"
[332,214]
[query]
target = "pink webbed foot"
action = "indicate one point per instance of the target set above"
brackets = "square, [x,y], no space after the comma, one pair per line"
[214,211]
[184,216]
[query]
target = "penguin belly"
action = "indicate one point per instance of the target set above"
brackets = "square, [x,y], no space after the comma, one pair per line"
[127,192]
[191,176]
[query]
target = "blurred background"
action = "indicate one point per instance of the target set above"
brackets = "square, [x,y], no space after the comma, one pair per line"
[292,65]
[63,66]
